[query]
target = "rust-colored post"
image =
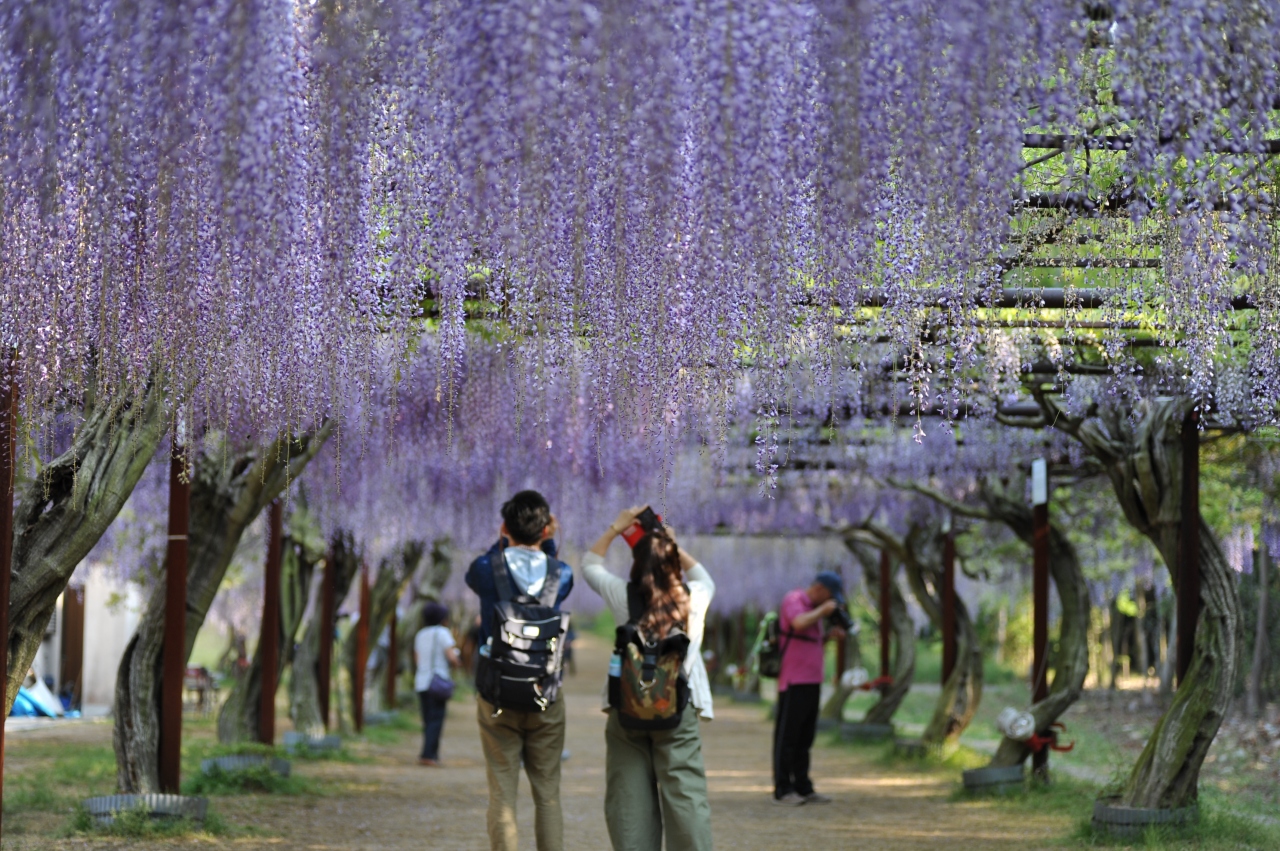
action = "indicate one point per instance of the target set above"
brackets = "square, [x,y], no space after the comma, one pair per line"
[740,640]
[1189,544]
[842,662]
[948,606]
[173,665]
[1040,595]
[8,440]
[269,637]
[392,664]
[72,668]
[362,652]
[328,607]
[886,619]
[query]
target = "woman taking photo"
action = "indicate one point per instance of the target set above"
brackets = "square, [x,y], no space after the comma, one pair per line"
[434,654]
[654,775]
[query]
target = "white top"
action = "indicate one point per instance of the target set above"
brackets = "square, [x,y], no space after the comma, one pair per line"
[430,644]
[701,589]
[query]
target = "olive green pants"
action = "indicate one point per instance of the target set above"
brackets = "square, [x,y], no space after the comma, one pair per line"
[538,739]
[655,781]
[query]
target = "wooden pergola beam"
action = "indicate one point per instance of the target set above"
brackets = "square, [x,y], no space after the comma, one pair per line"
[1124,141]
[1039,298]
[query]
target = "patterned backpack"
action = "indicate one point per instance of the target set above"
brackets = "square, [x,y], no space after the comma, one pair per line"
[646,681]
[522,670]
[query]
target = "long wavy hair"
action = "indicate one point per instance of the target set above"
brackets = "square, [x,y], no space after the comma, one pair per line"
[655,569]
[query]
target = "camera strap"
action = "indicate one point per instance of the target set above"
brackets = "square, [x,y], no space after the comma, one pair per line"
[787,641]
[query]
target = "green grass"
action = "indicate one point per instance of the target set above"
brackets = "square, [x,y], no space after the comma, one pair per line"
[63,777]
[1216,830]
[342,754]
[1222,824]
[259,778]
[393,730]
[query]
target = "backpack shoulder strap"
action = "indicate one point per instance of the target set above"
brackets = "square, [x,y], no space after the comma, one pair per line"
[635,607]
[551,584]
[502,576]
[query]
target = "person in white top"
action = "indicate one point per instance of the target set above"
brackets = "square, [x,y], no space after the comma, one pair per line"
[434,653]
[655,781]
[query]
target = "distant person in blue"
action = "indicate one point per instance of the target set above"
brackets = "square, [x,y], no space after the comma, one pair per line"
[527,550]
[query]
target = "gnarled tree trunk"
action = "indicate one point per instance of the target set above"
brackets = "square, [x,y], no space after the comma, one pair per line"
[304,685]
[387,589]
[428,589]
[1073,637]
[904,634]
[833,709]
[1141,451]
[227,493]
[1064,566]
[61,513]
[239,718]
[920,553]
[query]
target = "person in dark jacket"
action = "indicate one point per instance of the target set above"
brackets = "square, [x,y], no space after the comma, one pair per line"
[526,543]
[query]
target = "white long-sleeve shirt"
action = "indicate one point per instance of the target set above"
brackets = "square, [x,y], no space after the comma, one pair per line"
[613,590]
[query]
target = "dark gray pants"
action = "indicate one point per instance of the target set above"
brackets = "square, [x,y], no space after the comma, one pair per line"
[795,722]
[433,712]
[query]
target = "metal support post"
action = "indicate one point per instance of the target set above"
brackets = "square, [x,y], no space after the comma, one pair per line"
[1040,596]
[1189,544]
[886,619]
[328,611]
[362,652]
[948,606]
[173,664]
[269,637]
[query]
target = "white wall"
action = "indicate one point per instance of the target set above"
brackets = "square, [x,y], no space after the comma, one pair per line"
[111,612]
[48,661]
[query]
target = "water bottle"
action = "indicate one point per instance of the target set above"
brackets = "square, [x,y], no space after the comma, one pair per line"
[615,665]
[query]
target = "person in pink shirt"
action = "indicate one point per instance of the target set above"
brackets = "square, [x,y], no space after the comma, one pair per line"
[799,685]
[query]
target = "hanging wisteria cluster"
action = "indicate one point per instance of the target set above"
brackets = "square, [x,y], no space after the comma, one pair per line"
[244,198]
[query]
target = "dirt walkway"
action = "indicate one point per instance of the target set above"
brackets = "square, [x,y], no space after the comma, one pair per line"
[393,804]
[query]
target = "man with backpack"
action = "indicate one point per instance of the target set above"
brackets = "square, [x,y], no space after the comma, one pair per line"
[521,585]
[799,685]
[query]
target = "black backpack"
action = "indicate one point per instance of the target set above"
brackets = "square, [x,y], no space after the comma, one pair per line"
[649,690]
[771,645]
[522,670]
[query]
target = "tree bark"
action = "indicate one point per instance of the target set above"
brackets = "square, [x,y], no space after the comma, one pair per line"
[239,717]
[1253,695]
[61,513]
[833,709]
[920,553]
[1004,504]
[429,589]
[1140,449]
[228,490]
[304,685]
[1073,637]
[904,634]
[387,589]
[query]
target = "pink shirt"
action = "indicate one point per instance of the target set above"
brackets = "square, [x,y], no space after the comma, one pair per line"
[802,661]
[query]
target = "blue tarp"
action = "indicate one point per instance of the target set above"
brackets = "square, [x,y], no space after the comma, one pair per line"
[25,707]
[28,705]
